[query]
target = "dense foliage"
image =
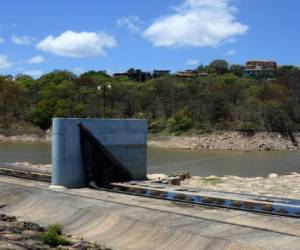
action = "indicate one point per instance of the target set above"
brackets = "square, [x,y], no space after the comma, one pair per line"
[53,236]
[223,100]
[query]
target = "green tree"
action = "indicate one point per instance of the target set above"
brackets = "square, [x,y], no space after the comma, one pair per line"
[180,122]
[218,67]
[14,102]
[237,69]
[223,100]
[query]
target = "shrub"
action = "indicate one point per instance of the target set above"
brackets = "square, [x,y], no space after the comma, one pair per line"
[140,115]
[56,227]
[180,122]
[248,127]
[53,236]
[21,128]
[157,126]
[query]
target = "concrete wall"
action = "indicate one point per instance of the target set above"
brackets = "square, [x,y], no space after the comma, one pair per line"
[125,139]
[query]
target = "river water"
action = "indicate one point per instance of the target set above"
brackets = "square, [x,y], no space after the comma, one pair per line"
[202,163]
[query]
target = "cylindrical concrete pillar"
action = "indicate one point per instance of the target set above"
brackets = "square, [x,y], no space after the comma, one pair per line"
[67,169]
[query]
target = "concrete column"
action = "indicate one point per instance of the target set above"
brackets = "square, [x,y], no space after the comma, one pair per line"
[126,139]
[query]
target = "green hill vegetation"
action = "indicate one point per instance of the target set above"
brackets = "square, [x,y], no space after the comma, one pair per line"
[222,100]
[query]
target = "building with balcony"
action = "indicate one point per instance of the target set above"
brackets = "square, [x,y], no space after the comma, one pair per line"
[260,69]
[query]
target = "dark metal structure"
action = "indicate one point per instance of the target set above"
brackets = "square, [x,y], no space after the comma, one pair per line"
[101,167]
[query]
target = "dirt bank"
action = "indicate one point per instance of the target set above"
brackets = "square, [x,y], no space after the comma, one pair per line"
[226,141]
[46,137]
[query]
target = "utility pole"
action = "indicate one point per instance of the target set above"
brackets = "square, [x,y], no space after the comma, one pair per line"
[104,86]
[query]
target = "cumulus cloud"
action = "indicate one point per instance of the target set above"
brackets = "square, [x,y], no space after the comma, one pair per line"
[77,44]
[34,73]
[5,63]
[198,23]
[131,23]
[231,52]
[35,60]
[22,40]
[192,62]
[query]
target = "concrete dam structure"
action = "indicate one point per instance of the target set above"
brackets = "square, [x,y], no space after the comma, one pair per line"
[111,155]
[124,140]
[124,210]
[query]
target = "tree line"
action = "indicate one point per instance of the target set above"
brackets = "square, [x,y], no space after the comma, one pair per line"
[223,100]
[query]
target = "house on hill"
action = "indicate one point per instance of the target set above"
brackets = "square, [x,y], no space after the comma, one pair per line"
[260,69]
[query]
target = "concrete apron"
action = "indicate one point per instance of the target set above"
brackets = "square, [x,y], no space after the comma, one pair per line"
[129,222]
[152,189]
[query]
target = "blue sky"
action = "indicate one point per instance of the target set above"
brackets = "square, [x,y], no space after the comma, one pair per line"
[39,36]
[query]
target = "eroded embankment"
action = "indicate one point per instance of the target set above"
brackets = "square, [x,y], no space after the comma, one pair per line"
[227,141]
[25,138]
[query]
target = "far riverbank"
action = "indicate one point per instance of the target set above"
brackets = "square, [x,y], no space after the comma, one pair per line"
[235,141]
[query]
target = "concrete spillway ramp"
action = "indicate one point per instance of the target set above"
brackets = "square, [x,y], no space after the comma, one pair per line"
[128,222]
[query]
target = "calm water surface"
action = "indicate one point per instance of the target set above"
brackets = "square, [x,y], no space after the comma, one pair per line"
[203,163]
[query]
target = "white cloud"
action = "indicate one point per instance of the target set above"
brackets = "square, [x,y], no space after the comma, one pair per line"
[192,62]
[34,73]
[35,60]
[77,44]
[231,52]
[22,40]
[5,63]
[131,23]
[1,40]
[198,23]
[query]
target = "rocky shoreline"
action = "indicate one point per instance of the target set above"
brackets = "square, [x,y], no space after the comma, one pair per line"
[26,138]
[21,235]
[260,141]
